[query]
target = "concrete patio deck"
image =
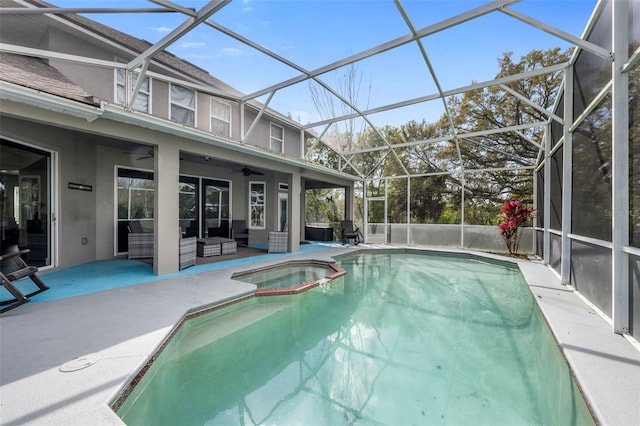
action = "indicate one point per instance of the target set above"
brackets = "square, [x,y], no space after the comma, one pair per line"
[123,325]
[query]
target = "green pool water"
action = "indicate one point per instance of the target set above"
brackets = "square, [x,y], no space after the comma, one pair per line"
[402,339]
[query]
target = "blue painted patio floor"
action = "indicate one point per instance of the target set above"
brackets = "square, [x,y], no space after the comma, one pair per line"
[105,275]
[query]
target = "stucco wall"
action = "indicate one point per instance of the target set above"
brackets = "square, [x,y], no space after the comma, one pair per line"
[76,215]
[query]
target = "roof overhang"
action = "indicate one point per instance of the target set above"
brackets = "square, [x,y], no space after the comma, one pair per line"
[24,95]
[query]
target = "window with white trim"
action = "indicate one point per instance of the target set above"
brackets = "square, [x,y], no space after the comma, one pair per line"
[277,138]
[183,105]
[257,204]
[124,79]
[220,118]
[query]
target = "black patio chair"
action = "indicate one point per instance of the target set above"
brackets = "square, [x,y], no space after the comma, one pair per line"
[240,232]
[349,232]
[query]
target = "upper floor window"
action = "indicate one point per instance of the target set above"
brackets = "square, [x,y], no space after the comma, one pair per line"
[220,118]
[141,102]
[183,105]
[277,138]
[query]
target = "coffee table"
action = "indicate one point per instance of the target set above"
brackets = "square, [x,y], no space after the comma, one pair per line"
[216,246]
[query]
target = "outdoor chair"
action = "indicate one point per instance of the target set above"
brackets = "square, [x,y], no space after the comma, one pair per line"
[239,231]
[278,242]
[188,248]
[349,232]
[14,268]
[140,242]
[220,231]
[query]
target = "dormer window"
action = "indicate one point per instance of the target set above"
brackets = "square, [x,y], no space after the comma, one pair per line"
[141,102]
[220,118]
[183,105]
[277,138]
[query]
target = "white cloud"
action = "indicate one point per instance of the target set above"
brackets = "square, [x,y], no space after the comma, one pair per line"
[247,9]
[198,56]
[191,44]
[229,51]
[160,29]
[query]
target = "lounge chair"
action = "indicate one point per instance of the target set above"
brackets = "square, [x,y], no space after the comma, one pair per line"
[14,268]
[349,232]
[239,231]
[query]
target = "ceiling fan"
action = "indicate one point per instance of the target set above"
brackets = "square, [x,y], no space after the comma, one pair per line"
[247,171]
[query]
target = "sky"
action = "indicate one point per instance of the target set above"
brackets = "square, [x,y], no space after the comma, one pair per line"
[314,33]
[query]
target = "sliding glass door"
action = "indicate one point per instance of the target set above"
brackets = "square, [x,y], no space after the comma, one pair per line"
[189,205]
[216,196]
[25,201]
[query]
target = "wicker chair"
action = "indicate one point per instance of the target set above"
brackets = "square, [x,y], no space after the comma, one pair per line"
[141,245]
[188,248]
[140,242]
[278,242]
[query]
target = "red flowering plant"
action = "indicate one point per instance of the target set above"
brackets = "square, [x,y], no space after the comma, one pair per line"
[515,214]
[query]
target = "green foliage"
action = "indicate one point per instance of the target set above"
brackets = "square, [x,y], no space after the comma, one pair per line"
[435,164]
[324,205]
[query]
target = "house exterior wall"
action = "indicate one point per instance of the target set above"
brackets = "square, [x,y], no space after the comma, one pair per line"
[90,148]
[76,217]
[100,82]
[99,79]
[261,134]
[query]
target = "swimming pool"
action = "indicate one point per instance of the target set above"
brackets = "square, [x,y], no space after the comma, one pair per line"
[403,338]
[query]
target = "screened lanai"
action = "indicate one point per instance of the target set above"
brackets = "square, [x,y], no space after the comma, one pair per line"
[442,111]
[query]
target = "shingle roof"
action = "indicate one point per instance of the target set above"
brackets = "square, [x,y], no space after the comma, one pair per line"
[36,74]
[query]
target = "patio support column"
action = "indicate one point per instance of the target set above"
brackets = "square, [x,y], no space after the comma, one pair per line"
[620,170]
[294,206]
[567,178]
[348,202]
[462,212]
[408,236]
[165,224]
[365,212]
[547,197]
[302,215]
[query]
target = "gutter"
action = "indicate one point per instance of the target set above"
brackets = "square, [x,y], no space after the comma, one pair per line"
[23,95]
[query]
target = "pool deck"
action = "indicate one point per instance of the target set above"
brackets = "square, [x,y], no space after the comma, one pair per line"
[123,326]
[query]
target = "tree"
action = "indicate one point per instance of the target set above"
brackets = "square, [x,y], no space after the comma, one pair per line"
[494,107]
[436,193]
